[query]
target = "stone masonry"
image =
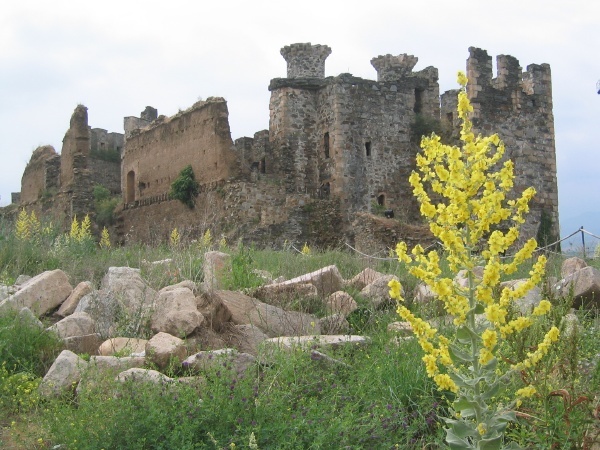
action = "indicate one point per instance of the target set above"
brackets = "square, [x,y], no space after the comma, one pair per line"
[337,149]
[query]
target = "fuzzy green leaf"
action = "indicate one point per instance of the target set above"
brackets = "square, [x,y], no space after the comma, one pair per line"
[491,391]
[455,442]
[491,444]
[464,334]
[458,356]
[461,428]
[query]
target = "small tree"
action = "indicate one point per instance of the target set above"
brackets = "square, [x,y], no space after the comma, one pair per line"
[185,188]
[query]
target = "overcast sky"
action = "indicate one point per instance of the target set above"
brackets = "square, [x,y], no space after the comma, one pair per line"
[116,57]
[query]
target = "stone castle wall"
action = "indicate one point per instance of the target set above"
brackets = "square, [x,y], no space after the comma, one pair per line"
[153,157]
[39,175]
[337,148]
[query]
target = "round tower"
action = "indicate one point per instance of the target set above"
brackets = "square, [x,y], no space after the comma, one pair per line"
[305,60]
[392,68]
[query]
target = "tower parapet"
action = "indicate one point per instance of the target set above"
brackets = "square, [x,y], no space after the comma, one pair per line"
[305,60]
[392,68]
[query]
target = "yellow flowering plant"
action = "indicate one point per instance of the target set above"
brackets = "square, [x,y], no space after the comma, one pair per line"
[471,185]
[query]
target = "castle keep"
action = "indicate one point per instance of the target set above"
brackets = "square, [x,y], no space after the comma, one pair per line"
[337,149]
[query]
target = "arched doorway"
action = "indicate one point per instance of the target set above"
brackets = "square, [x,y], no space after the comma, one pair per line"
[130,188]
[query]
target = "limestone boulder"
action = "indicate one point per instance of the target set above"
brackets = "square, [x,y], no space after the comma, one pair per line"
[327,280]
[423,294]
[379,291]
[215,313]
[68,306]
[571,265]
[403,329]
[175,312]
[367,276]
[284,293]
[117,364]
[188,284]
[87,343]
[123,346]
[312,342]
[40,294]
[138,375]
[584,284]
[530,300]
[63,375]
[77,324]
[26,317]
[272,320]
[246,338]
[340,302]
[461,278]
[124,302]
[22,279]
[163,347]
[226,358]
[216,266]
[334,324]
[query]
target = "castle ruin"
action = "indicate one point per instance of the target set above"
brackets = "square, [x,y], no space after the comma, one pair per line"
[337,150]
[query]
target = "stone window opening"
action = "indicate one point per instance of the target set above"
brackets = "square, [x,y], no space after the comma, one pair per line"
[418,108]
[450,117]
[101,144]
[325,190]
[263,166]
[130,187]
[381,199]
[368,148]
[326,145]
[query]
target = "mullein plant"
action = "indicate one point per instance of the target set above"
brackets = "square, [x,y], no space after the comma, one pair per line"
[473,186]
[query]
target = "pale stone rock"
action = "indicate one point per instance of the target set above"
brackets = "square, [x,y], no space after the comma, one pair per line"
[283,293]
[341,302]
[4,292]
[379,291]
[571,265]
[272,320]
[189,284]
[404,329]
[216,315]
[176,313]
[461,277]
[122,346]
[123,296]
[334,324]
[41,293]
[530,300]
[367,276]
[63,375]
[77,324]
[22,279]
[27,317]
[312,342]
[423,294]
[115,363]
[585,287]
[570,326]
[87,343]
[136,374]
[327,280]
[246,338]
[228,358]
[69,305]
[216,265]
[163,347]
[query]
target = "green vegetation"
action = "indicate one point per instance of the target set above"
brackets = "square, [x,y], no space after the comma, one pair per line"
[185,188]
[380,398]
[105,205]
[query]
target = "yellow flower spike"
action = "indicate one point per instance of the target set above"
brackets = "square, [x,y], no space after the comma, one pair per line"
[544,307]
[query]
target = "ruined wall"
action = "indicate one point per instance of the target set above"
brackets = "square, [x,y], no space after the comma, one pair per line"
[348,138]
[41,174]
[75,142]
[518,106]
[154,156]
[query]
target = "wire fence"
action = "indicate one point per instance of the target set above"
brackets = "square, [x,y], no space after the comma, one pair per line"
[547,248]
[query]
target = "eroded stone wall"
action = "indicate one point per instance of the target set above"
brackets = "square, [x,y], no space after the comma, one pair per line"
[154,156]
[40,174]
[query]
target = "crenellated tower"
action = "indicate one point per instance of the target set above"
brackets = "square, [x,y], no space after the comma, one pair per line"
[305,60]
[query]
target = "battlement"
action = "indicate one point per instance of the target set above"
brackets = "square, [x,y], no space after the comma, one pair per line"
[510,83]
[305,60]
[392,68]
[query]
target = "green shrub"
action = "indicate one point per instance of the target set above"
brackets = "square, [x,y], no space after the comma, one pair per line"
[185,188]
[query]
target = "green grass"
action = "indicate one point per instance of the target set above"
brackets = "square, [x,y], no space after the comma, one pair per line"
[381,398]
